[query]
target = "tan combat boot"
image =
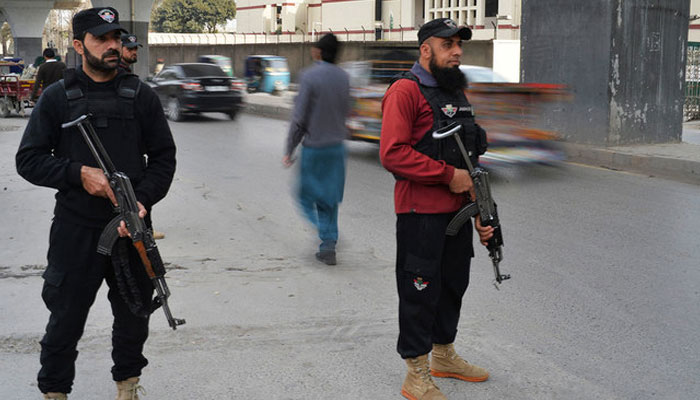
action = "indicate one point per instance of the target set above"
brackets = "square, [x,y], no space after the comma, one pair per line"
[418,384]
[55,396]
[127,390]
[446,363]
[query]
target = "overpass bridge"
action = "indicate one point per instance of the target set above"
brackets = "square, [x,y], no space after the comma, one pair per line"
[28,17]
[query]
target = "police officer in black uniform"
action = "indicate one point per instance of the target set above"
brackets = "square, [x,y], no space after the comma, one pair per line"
[129,120]
[130,52]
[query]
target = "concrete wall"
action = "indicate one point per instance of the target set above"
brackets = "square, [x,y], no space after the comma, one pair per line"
[298,54]
[622,59]
[28,48]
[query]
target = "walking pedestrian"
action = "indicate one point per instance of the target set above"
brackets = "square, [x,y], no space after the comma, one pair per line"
[129,120]
[432,183]
[50,71]
[318,123]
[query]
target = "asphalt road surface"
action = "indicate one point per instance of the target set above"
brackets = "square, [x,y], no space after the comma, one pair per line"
[603,303]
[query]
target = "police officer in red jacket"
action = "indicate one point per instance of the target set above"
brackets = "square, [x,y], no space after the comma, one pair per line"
[432,184]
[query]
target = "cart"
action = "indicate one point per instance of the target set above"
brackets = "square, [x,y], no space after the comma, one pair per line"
[15,91]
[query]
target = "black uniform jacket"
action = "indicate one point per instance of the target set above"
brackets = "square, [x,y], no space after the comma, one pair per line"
[49,72]
[141,147]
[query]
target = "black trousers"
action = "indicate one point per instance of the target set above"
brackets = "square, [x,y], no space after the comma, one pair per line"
[72,278]
[432,275]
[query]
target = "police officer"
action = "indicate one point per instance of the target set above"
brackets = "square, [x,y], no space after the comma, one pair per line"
[129,120]
[130,55]
[130,52]
[432,183]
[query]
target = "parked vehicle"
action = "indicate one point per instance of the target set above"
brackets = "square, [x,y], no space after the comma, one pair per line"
[16,83]
[269,74]
[197,87]
[15,65]
[222,61]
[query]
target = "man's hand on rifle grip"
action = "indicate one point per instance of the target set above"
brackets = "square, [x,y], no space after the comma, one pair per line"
[462,182]
[485,232]
[95,182]
[123,232]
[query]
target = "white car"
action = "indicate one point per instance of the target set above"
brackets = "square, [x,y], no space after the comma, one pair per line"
[478,74]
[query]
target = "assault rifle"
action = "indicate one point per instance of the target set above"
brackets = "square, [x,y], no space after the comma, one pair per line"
[127,207]
[484,204]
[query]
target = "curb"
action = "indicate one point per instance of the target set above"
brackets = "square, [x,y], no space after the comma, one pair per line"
[656,165]
[269,111]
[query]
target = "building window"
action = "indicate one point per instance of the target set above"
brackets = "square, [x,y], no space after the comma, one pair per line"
[491,8]
[463,12]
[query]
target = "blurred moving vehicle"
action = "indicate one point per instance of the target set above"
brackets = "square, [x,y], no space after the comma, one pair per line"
[222,61]
[269,74]
[197,87]
[16,83]
[511,113]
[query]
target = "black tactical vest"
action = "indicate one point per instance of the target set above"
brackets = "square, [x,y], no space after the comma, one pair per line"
[103,106]
[114,119]
[448,108]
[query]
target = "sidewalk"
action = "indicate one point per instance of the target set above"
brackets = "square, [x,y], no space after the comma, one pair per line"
[678,161]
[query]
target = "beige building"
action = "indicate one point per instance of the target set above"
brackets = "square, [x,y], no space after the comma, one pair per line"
[694,28]
[395,20]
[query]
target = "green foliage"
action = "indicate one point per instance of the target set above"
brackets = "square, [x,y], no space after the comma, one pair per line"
[192,16]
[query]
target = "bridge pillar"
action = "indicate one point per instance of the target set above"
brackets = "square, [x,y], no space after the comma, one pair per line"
[27,20]
[624,61]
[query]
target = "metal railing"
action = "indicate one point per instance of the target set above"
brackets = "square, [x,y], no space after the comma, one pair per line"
[357,35]
[691,109]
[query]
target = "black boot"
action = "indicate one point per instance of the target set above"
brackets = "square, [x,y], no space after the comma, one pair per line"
[326,256]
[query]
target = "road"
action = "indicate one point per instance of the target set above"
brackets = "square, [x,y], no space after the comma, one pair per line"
[603,303]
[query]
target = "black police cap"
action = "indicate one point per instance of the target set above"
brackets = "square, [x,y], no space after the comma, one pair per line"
[130,41]
[96,21]
[443,28]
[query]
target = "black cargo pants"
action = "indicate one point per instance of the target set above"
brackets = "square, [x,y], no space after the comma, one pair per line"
[72,278]
[432,275]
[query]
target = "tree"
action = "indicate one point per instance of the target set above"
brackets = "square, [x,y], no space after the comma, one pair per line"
[192,16]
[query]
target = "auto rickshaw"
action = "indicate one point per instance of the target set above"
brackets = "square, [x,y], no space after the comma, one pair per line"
[16,83]
[268,74]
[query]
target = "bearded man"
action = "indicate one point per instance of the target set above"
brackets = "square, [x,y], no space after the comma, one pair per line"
[130,52]
[432,184]
[129,120]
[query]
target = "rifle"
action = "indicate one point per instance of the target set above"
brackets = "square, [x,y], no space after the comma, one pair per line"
[127,208]
[484,204]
